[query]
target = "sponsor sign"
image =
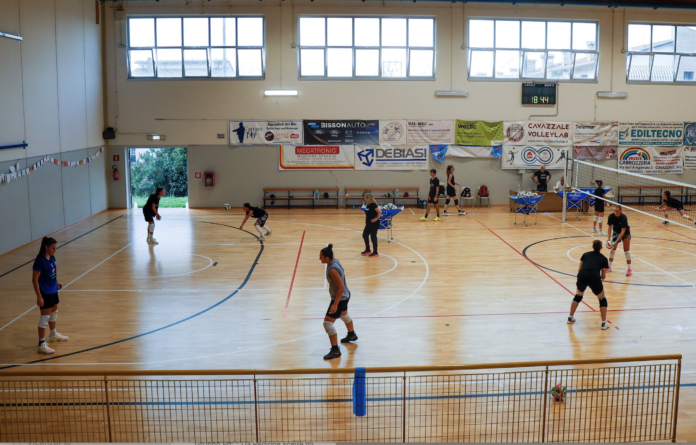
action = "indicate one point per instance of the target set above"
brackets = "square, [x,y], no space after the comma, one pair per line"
[690,158]
[594,134]
[383,157]
[430,132]
[534,156]
[643,134]
[312,157]
[595,153]
[478,133]
[651,160]
[538,133]
[472,152]
[690,134]
[392,132]
[341,132]
[265,132]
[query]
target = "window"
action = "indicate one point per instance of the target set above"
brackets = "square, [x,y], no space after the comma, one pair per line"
[538,50]
[364,47]
[660,53]
[195,47]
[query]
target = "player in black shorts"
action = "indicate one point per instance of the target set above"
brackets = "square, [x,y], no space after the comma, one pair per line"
[669,203]
[452,192]
[261,217]
[591,273]
[541,177]
[151,211]
[433,196]
[598,208]
[620,231]
[338,307]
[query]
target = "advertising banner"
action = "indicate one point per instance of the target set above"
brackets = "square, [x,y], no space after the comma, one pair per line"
[690,134]
[383,157]
[596,133]
[534,156]
[478,133]
[644,134]
[265,132]
[392,132]
[690,158]
[341,132]
[430,132]
[328,157]
[471,152]
[651,160]
[595,153]
[539,133]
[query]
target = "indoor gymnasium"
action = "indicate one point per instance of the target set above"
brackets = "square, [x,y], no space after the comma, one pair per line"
[347,221]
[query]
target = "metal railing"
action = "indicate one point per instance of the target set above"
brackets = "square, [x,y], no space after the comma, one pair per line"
[497,402]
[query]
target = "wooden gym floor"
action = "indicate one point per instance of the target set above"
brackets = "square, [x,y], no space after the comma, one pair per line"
[469,289]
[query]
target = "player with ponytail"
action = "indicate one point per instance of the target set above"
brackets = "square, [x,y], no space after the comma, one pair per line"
[46,286]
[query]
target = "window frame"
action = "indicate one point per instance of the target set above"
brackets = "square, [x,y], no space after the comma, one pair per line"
[522,50]
[209,48]
[652,54]
[354,48]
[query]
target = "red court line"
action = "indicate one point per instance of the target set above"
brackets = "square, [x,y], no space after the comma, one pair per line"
[287,302]
[664,228]
[532,262]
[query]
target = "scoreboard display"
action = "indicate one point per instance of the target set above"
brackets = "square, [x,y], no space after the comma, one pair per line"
[538,93]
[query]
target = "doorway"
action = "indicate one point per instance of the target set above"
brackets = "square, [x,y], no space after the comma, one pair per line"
[150,168]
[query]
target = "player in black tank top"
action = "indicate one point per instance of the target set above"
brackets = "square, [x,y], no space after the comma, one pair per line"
[452,192]
[669,203]
[262,217]
[433,196]
[599,208]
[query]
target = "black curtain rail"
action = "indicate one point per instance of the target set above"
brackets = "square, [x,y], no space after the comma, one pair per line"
[680,4]
[22,145]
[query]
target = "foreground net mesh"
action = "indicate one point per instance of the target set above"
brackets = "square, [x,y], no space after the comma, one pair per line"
[636,192]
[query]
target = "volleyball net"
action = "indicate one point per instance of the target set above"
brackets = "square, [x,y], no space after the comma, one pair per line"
[639,193]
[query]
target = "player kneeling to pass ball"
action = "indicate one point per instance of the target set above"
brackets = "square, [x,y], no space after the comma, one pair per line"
[591,273]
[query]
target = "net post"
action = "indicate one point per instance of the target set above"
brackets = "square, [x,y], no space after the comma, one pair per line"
[565,200]
[108,410]
[545,396]
[676,402]
[256,411]
[403,409]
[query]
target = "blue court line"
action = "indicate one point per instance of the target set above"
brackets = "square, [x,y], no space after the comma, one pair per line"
[62,245]
[350,400]
[253,266]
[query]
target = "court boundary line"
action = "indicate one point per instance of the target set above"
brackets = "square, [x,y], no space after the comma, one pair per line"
[644,245]
[292,282]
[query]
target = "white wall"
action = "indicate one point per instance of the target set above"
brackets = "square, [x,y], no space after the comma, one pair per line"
[52,98]
[192,112]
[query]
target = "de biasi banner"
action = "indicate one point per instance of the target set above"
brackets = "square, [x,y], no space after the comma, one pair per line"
[651,134]
[392,132]
[265,132]
[341,132]
[430,132]
[651,160]
[538,133]
[594,153]
[593,134]
[313,157]
[383,157]
[534,156]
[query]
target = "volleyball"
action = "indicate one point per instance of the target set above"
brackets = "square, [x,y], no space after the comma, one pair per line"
[610,244]
[558,392]
[226,207]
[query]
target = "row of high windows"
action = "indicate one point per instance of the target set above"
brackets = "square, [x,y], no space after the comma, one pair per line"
[402,48]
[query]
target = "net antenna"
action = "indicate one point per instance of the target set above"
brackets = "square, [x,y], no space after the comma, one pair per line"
[636,192]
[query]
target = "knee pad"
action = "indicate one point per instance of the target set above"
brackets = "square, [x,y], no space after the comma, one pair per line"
[596,218]
[151,227]
[329,328]
[52,318]
[578,298]
[346,318]
[628,255]
[447,201]
[456,202]
[601,218]
[612,252]
[43,321]
[603,302]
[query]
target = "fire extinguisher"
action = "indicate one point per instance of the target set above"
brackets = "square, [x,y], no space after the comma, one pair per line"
[115,170]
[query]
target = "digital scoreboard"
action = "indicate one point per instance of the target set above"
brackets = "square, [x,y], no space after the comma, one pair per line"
[538,93]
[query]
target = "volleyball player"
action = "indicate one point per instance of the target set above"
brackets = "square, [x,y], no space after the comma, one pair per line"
[620,231]
[598,207]
[338,308]
[451,192]
[669,203]
[372,216]
[261,217]
[433,196]
[46,286]
[591,273]
[151,211]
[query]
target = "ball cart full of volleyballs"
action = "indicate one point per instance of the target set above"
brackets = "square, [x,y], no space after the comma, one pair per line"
[389,211]
[526,204]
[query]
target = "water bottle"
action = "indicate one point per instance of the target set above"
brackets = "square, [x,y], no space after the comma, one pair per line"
[259,205]
[396,193]
[353,206]
[518,189]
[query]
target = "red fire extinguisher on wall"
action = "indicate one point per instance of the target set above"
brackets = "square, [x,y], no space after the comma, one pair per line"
[115,170]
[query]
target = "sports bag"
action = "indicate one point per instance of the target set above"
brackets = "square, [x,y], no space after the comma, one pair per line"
[483,191]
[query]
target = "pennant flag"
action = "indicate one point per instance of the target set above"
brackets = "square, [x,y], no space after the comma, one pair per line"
[438,152]
[497,152]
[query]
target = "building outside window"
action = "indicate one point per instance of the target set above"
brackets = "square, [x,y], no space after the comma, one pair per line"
[660,53]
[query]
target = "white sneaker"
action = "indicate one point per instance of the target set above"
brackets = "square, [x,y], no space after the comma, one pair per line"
[602,232]
[594,230]
[605,325]
[58,337]
[262,237]
[445,214]
[462,212]
[153,241]
[270,232]
[571,319]
[44,349]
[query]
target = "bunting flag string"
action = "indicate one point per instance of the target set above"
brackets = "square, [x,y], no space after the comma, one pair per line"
[16,172]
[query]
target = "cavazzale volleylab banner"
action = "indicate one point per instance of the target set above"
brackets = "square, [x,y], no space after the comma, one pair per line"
[651,160]
[651,134]
[376,157]
[516,157]
[593,134]
[341,132]
[314,157]
[478,133]
[430,132]
[265,132]
[595,153]
[538,133]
